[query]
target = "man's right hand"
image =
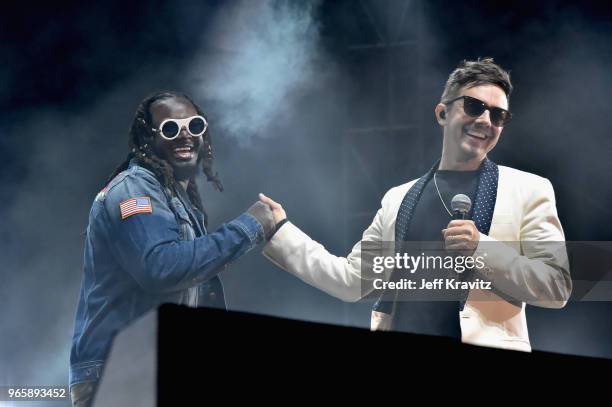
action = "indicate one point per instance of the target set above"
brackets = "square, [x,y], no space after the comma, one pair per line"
[264,216]
[277,210]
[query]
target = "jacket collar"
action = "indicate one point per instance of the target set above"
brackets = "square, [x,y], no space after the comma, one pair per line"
[484,203]
[181,195]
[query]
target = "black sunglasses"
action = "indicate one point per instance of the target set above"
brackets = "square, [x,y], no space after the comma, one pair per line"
[476,107]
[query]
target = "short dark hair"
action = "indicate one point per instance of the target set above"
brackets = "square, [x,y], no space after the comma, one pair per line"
[474,73]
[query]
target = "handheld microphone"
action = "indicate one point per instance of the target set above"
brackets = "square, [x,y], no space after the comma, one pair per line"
[461,205]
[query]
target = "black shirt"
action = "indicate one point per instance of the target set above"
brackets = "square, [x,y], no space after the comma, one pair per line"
[435,317]
[430,216]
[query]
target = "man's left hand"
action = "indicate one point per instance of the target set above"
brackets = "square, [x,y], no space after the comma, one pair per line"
[461,236]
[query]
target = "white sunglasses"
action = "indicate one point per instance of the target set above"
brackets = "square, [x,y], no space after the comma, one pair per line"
[170,128]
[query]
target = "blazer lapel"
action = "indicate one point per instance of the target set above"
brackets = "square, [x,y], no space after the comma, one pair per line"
[406,209]
[486,194]
[386,302]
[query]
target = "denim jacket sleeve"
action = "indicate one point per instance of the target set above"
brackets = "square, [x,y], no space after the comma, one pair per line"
[148,245]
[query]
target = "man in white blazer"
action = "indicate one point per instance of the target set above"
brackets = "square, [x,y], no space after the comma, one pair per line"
[513,223]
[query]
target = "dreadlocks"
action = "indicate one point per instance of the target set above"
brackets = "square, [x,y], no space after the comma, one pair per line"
[140,139]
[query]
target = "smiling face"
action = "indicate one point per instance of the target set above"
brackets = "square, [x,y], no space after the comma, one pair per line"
[467,139]
[181,153]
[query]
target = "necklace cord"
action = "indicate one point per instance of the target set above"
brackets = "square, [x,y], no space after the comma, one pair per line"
[440,195]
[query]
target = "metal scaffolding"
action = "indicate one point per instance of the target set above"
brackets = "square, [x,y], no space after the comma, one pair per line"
[382,144]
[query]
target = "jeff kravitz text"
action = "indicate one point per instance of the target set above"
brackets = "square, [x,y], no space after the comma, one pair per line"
[422,262]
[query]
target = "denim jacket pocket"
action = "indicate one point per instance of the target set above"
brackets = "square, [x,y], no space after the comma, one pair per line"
[184,221]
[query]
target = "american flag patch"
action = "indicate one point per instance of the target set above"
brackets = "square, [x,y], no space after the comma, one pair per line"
[133,206]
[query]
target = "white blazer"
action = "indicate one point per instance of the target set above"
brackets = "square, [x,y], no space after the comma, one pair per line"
[525,211]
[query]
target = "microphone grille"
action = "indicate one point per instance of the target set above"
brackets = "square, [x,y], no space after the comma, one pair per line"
[461,203]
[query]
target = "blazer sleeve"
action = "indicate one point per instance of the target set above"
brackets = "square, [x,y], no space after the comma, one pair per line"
[538,273]
[294,251]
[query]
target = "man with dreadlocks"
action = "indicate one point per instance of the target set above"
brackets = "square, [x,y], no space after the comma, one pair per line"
[147,242]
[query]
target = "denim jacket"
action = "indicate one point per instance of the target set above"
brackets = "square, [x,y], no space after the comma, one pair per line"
[134,264]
